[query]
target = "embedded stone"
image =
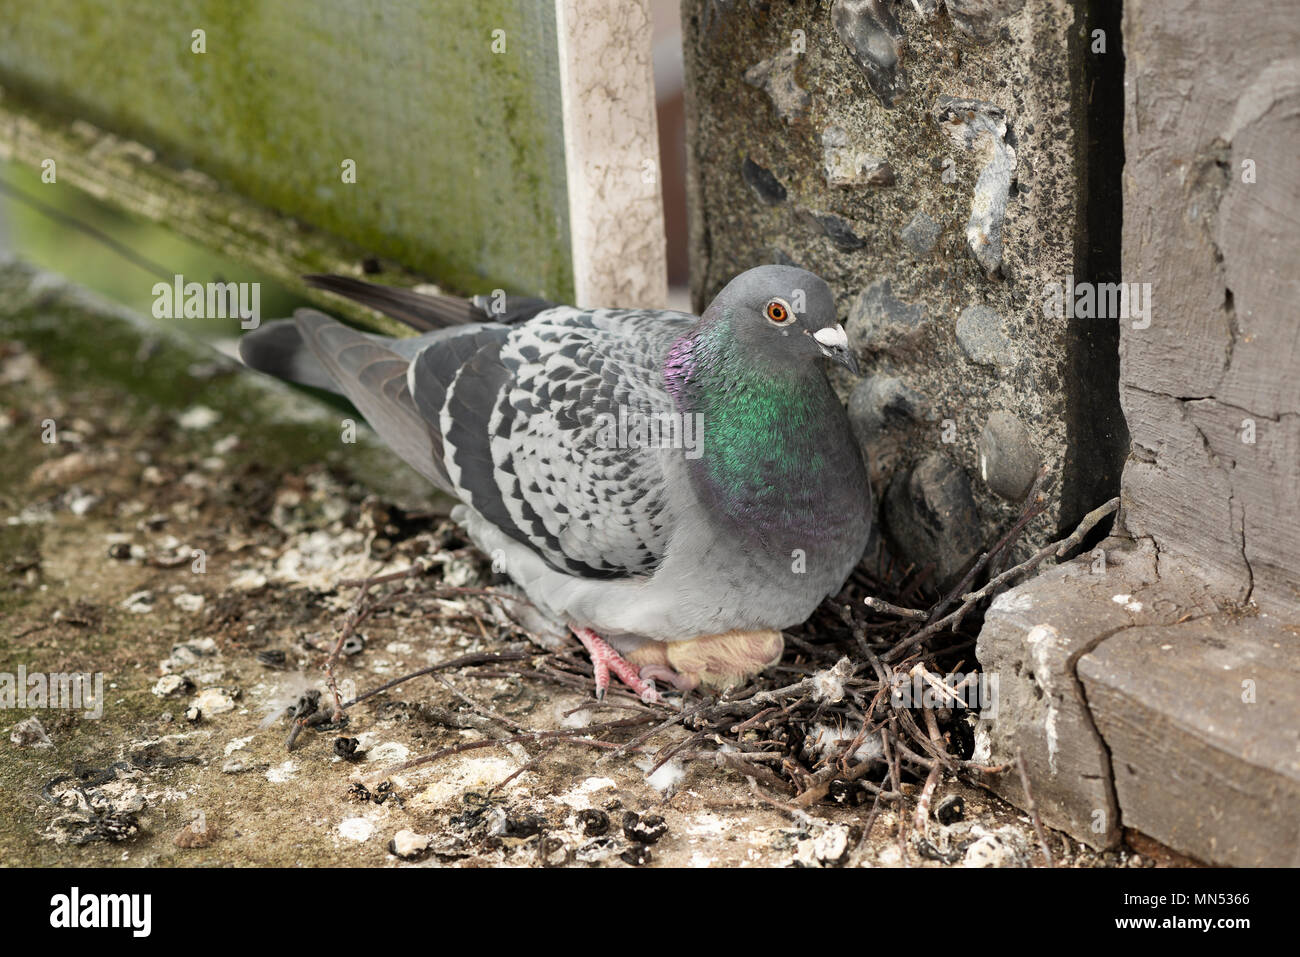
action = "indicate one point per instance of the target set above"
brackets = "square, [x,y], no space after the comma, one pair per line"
[776,77]
[845,165]
[839,232]
[874,39]
[879,403]
[980,19]
[930,517]
[980,126]
[763,182]
[921,233]
[879,321]
[1008,460]
[981,337]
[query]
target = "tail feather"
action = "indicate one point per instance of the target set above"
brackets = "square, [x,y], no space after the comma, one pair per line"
[426,312]
[313,349]
[277,349]
[373,377]
[418,310]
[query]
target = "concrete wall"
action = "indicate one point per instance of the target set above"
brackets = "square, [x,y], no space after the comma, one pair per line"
[930,164]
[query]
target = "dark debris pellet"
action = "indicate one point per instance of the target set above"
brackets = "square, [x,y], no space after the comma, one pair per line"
[386,792]
[359,792]
[524,825]
[763,182]
[594,821]
[636,855]
[951,809]
[305,705]
[644,830]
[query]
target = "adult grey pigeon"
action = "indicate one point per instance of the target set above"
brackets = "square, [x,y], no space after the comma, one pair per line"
[675,490]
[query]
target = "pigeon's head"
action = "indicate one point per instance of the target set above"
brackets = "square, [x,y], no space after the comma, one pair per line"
[784,313]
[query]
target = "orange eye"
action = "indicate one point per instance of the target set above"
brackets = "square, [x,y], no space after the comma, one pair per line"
[777,312]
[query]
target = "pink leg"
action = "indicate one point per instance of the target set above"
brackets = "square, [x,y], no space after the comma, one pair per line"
[605,659]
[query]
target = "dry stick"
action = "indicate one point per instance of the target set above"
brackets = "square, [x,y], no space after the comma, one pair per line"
[814,794]
[871,821]
[361,606]
[563,733]
[478,707]
[898,611]
[412,572]
[669,751]
[522,769]
[457,719]
[602,706]
[1064,545]
[742,727]
[751,770]
[891,756]
[922,816]
[1033,810]
[642,738]
[971,598]
[464,661]
[1034,504]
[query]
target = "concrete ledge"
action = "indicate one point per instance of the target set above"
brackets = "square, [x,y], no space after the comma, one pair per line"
[1202,721]
[1136,703]
[1032,637]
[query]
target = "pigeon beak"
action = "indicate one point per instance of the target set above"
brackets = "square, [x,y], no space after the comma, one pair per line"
[835,346]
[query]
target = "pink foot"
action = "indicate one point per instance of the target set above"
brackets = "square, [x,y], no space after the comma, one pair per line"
[605,659]
[669,677]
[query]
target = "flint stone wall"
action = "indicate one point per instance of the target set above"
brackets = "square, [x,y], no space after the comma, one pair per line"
[929,166]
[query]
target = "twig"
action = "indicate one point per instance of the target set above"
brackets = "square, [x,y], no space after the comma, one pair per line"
[464,661]
[888,608]
[971,598]
[478,707]
[642,738]
[922,817]
[1034,504]
[576,733]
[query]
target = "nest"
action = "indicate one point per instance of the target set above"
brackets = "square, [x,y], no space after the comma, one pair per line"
[874,700]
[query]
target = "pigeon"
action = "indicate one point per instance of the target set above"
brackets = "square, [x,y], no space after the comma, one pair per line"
[674,490]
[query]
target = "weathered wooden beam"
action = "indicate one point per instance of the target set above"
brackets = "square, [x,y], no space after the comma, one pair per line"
[447,113]
[132,177]
[1211,202]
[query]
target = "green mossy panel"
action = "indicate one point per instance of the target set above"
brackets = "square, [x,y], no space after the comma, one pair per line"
[458,150]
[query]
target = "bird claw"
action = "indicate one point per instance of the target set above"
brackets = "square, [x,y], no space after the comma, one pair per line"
[604,659]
